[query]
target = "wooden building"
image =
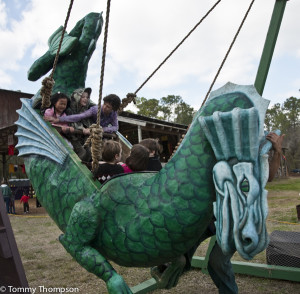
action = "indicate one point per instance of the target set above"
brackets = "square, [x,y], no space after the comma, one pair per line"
[9,103]
[137,127]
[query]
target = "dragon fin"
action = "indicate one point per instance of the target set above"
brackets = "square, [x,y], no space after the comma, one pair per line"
[68,42]
[36,137]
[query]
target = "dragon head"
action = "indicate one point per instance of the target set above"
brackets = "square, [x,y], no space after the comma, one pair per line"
[240,207]
[240,175]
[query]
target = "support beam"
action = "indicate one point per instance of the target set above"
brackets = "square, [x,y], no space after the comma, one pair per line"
[139,133]
[144,287]
[11,270]
[255,269]
[4,167]
[269,46]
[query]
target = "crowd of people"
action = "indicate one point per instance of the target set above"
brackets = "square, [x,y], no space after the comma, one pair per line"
[79,113]
[143,157]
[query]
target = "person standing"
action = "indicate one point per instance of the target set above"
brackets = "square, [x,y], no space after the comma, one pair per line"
[12,208]
[25,199]
[6,193]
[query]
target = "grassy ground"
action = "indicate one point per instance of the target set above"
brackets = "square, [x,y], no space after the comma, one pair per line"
[47,264]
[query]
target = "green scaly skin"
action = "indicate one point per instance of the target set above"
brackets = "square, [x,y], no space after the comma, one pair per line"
[140,219]
[75,54]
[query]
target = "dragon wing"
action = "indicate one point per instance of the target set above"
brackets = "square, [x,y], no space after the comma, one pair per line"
[36,137]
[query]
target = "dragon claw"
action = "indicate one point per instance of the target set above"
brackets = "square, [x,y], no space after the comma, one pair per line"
[116,285]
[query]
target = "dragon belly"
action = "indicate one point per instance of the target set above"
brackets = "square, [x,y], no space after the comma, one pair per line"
[142,225]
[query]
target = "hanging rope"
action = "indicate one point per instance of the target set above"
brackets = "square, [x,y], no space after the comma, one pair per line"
[221,66]
[48,82]
[131,96]
[209,11]
[228,51]
[96,131]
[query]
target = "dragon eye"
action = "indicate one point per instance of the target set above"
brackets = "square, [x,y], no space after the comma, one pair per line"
[245,185]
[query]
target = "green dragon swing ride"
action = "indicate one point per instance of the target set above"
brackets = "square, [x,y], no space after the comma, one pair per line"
[146,219]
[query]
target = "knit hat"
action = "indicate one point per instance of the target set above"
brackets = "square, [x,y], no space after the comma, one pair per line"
[76,95]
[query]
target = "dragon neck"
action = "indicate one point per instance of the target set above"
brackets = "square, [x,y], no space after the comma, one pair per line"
[71,72]
[71,69]
[188,174]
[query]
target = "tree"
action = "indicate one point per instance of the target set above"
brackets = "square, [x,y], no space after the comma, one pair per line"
[176,110]
[171,108]
[291,107]
[276,119]
[184,113]
[149,108]
[169,104]
[286,118]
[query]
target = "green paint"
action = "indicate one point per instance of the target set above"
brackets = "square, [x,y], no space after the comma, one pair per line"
[269,46]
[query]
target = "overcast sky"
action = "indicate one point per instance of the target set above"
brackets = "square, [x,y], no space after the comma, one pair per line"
[142,33]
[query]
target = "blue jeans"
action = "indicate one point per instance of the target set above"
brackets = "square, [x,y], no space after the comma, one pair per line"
[221,272]
[12,208]
[7,202]
[219,265]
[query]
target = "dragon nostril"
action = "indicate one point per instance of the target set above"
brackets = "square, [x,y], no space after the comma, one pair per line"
[247,241]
